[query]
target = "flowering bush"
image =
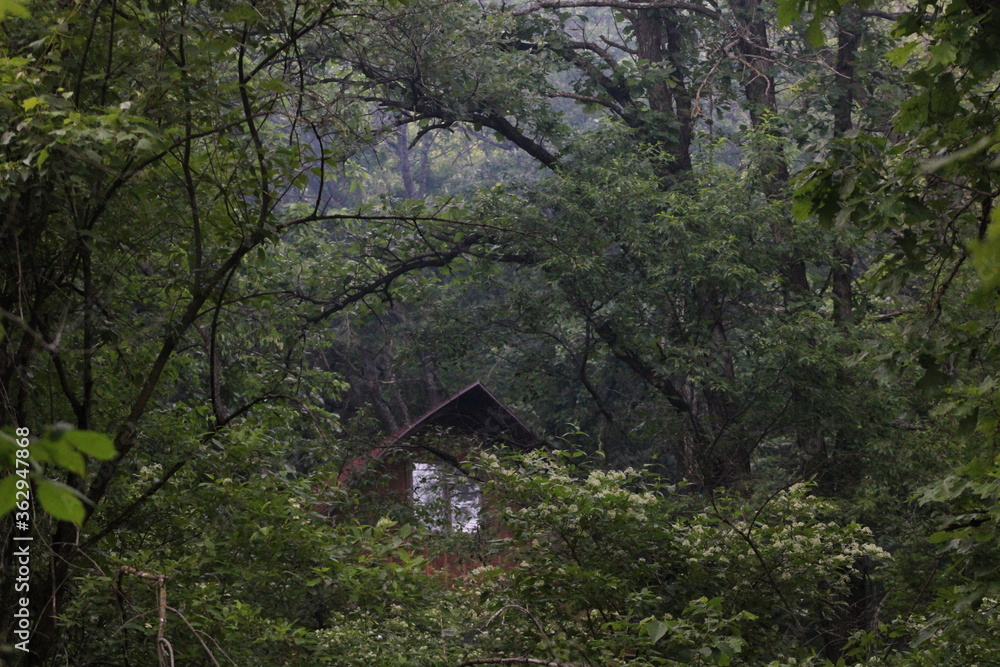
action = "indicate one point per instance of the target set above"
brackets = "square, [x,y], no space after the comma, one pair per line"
[614,568]
[584,567]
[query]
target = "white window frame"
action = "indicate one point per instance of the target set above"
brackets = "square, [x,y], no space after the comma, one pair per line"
[459,499]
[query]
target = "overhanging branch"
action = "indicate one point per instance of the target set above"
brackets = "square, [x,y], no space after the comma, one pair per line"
[616,4]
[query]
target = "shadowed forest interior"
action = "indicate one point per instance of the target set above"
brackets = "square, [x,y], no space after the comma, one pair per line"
[463,332]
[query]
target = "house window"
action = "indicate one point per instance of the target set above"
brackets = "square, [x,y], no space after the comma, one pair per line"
[448,498]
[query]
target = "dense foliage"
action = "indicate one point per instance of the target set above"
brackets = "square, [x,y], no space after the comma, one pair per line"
[737,262]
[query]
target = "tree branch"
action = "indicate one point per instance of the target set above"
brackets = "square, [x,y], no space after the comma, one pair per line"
[513,661]
[617,4]
[434,259]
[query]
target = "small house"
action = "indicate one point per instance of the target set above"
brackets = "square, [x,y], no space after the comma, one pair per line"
[422,462]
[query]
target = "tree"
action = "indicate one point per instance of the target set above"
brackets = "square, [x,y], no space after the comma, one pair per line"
[155,160]
[188,233]
[658,70]
[925,188]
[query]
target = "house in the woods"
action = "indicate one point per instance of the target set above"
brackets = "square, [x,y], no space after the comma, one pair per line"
[422,462]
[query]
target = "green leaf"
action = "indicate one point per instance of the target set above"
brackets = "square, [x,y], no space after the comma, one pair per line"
[788,11]
[968,424]
[944,96]
[42,450]
[898,56]
[944,53]
[61,501]
[655,629]
[986,255]
[933,381]
[7,498]
[814,33]
[92,443]
[802,207]
[940,537]
[68,458]
[13,8]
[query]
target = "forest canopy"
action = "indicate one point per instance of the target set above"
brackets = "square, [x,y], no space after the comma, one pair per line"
[736,263]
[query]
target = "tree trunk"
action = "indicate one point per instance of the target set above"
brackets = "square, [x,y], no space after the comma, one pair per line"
[762,105]
[669,124]
[848,38]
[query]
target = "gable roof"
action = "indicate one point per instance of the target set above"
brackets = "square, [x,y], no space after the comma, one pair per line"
[472,410]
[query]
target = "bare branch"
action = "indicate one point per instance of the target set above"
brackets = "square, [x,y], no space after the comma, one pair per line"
[619,46]
[513,661]
[113,525]
[617,4]
[427,260]
[588,99]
